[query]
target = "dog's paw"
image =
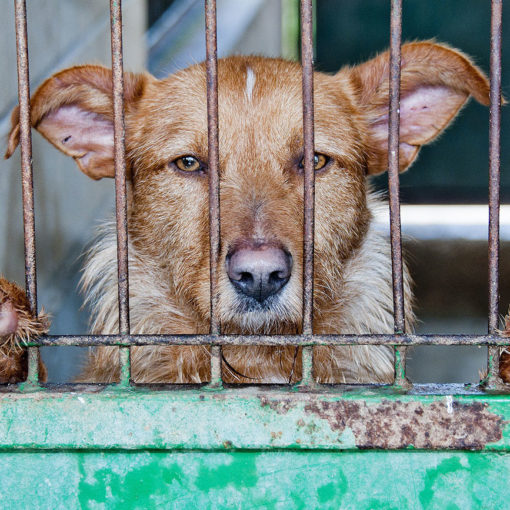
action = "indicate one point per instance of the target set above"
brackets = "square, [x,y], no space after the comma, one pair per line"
[504,361]
[17,326]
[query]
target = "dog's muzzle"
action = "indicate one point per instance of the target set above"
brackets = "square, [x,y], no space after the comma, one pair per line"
[259,270]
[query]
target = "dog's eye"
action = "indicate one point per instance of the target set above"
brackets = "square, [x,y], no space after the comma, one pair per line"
[188,164]
[319,161]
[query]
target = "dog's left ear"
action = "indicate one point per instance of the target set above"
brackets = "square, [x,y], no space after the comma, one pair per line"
[436,81]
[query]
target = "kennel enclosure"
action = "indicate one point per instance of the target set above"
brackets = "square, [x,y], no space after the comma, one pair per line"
[308,445]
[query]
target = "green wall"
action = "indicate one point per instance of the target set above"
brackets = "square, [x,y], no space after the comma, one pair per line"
[455,168]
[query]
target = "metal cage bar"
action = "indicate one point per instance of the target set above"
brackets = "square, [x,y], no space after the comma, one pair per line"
[27,175]
[120,184]
[306,15]
[214,180]
[493,378]
[307,339]
[393,184]
[274,340]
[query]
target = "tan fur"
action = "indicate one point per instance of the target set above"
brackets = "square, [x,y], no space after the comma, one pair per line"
[23,327]
[260,126]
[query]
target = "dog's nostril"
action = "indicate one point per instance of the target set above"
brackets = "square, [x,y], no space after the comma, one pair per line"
[246,278]
[259,271]
[277,276]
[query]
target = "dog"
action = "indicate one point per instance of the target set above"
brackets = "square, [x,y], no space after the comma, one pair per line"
[261,191]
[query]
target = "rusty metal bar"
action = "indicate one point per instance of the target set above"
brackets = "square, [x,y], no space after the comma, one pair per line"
[493,378]
[120,182]
[393,181]
[27,181]
[393,165]
[309,182]
[275,340]
[214,180]
[308,160]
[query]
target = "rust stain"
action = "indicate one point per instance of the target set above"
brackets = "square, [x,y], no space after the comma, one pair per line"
[392,425]
[279,406]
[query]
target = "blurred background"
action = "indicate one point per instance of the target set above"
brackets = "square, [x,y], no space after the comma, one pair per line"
[444,195]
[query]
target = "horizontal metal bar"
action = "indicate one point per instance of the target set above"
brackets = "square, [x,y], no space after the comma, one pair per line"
[276,340]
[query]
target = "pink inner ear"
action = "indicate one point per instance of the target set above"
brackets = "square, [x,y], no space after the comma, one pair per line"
[425,111]
[77,132]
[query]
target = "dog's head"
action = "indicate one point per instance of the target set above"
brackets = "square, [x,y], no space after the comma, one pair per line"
[261,169]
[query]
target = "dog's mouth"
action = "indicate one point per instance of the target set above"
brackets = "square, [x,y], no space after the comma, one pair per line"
[245,304]
[249,316]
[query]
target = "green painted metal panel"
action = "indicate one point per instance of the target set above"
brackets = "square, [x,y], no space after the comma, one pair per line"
[248,480]
[253,448]
[253,419]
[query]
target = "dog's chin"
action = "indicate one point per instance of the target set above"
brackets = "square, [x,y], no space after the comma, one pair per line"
[246,315]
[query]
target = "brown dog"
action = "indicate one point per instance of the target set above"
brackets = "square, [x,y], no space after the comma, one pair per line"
[261,151]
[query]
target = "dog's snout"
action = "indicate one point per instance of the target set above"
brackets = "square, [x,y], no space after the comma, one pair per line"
[259,271]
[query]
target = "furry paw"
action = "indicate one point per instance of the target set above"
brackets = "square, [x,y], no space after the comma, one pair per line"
[17,326]
[504,362]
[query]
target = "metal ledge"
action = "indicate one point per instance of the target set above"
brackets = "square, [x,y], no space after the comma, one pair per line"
[251,419]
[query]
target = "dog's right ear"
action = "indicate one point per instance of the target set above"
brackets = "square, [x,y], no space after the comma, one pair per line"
[74,111]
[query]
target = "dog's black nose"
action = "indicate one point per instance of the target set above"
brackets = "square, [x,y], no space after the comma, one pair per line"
[259,271]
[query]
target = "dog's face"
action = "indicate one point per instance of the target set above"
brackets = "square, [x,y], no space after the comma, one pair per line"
[261,174]
[261,152]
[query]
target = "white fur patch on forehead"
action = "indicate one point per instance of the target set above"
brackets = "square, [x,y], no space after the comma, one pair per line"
[250,82]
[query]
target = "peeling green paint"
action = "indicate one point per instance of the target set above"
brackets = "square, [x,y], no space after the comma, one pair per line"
[276,449]
[271,480]
[132,489]
[251,419]
[347,438]
[241,472]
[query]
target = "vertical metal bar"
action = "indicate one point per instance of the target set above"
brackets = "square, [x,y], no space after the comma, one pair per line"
[309,181]
[393,180]
[494,180]
[27,175]
[214,182]
[120,183]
